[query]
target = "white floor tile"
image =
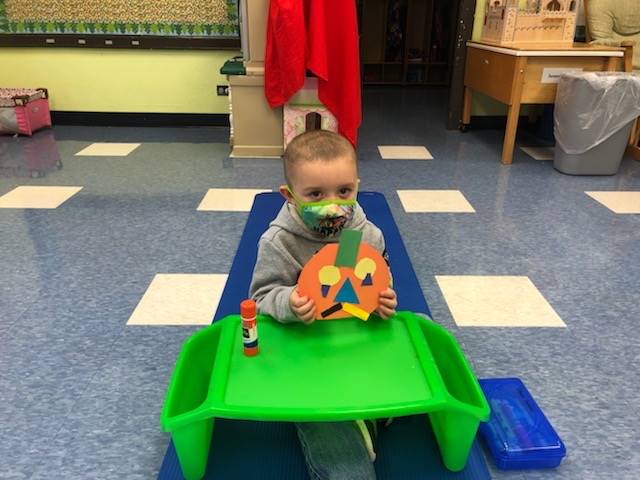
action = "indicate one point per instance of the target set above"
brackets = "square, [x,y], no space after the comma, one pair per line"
[618,202]
[229,199]
[539,153]
[37,197]
[108,150]
[253,157]
[391,152]
[179,299]
[434,201]
[496,301]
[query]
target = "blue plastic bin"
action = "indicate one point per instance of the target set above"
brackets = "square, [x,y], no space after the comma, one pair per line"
[518,434]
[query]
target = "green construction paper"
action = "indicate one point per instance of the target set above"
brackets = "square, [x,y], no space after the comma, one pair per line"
[348,248]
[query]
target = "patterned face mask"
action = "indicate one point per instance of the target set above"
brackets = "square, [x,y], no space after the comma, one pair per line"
[327,217]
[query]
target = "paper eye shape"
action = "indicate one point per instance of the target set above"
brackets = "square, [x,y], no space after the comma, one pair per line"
[328,276]
[364,270]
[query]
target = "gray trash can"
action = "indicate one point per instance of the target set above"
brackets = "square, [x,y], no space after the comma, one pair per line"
[593,117]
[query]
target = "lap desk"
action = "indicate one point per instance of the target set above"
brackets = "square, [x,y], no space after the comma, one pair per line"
[328,371]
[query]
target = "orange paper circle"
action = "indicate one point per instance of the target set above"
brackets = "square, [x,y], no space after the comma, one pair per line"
[368,296]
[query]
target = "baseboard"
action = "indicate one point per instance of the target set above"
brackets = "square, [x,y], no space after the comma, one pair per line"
[257,151]
[126,119]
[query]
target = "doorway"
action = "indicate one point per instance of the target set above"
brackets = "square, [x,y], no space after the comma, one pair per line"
[416,43]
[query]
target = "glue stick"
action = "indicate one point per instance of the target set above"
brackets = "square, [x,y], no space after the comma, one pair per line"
[249,327]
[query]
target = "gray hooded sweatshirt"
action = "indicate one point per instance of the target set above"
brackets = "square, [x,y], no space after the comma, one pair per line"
[286,247]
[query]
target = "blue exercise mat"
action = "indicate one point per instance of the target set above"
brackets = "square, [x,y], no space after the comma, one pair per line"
[270,450]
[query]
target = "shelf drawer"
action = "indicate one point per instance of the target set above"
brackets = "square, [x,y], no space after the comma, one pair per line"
[490,73]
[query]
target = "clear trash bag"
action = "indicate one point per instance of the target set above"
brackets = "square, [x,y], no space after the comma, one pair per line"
[592,106]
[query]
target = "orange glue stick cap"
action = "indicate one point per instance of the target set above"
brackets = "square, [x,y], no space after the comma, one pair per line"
[248,309]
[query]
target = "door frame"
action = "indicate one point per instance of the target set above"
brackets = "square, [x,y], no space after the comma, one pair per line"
[464,31]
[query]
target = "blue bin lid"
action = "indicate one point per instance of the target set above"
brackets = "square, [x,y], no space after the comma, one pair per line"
[518,433]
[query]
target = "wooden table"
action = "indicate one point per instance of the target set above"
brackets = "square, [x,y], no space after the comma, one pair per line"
[528,75]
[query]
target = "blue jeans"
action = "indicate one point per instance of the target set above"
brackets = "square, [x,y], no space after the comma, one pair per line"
[335,451]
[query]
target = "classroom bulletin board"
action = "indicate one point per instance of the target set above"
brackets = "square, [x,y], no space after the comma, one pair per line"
[127,23]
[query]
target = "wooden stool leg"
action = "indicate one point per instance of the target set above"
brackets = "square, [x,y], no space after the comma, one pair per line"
[510,133]
[513,113]
[635,134]
[628,55]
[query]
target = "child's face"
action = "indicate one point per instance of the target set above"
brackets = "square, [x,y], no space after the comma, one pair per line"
[324,180]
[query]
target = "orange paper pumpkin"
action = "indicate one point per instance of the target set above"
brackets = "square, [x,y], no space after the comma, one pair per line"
[345,280]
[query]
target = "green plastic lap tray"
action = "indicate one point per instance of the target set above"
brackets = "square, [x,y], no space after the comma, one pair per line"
[328,371]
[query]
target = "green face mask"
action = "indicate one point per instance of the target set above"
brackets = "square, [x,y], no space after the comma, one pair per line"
[326,217]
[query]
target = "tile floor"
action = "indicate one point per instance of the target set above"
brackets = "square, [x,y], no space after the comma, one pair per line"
[126,242]
[496,301]
[228,199]
[23,197]
[434,201]
[112,149]
[406,152]
[539,153]
[179,299]
[618,202]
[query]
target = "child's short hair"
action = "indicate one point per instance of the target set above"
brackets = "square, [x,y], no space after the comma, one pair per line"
[316,145]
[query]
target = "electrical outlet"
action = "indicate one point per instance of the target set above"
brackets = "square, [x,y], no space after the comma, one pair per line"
[223,90]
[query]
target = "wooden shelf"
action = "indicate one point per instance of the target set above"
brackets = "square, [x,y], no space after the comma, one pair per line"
[427,28]
[408,84]
[382,83]
[435,64]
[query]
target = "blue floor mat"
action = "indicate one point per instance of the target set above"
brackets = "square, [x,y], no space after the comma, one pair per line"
[276,455]
[406,449]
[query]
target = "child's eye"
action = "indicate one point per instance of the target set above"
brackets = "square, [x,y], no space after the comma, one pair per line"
[315,194]
[344,191]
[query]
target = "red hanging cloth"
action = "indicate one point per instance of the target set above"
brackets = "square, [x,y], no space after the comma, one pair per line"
[322,36]
[285,55]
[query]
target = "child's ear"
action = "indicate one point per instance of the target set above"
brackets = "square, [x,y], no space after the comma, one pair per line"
[284,191]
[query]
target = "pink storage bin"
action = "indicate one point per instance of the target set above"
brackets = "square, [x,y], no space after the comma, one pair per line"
[24,110]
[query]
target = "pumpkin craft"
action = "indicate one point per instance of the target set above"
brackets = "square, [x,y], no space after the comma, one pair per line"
[345,279]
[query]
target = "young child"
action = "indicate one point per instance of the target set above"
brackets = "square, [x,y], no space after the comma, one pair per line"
[320,169]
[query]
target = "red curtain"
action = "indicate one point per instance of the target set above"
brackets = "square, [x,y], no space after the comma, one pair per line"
[321,36]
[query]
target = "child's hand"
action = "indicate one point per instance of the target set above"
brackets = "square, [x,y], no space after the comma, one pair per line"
[303,307]
[388,303]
